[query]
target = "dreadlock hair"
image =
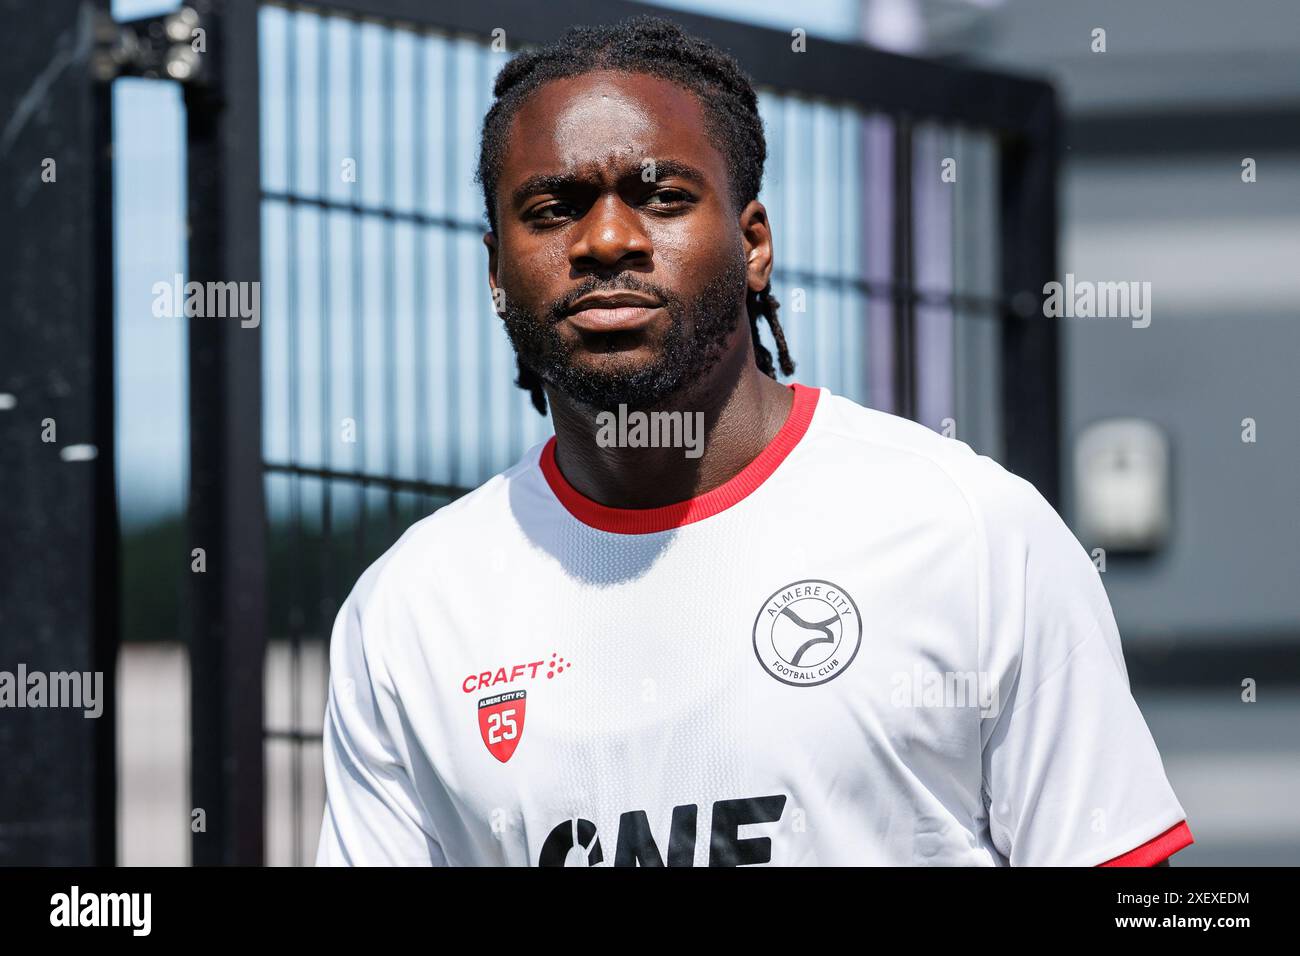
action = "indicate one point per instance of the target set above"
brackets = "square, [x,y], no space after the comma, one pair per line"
[658,47]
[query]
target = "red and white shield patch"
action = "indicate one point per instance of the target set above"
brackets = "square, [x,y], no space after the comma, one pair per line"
[501,722]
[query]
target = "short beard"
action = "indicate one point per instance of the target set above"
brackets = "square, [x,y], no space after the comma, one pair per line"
[693,345]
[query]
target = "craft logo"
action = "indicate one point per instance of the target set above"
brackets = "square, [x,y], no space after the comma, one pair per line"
[501,722]
[525,671]
[807,633]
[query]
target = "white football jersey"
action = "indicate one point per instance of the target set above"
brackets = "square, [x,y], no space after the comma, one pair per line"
[872,646]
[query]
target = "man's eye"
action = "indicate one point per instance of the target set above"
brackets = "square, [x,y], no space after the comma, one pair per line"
[666,196]
[555,210]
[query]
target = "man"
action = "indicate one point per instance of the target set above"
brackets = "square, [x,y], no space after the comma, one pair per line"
[834,637]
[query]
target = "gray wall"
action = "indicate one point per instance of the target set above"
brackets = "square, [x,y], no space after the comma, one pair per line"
[1223,258]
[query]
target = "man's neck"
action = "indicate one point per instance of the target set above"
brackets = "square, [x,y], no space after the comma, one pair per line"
[743,410]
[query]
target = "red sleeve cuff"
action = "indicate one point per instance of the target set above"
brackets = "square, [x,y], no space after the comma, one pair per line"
[1157,849]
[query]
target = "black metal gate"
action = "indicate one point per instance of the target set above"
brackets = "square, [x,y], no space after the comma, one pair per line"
[330,157]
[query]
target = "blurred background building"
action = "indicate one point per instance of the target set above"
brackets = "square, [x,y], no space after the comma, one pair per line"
[1179,441]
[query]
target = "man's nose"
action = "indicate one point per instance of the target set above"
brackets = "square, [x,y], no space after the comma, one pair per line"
[610,234]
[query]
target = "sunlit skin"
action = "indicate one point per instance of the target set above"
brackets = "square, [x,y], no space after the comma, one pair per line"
[572,209]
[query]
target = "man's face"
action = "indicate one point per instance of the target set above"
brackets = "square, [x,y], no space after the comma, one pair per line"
[610,186]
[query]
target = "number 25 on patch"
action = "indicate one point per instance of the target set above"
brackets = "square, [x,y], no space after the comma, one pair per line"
[501,722]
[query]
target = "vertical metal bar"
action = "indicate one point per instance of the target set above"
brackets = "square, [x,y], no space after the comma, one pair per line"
[291,379]
[227,505]
[804,125]
[422,312]
[876,257]
[325,580]
[451,315]
[107,539]
[358,298]
[787,139]
[843,316]
[483,371]
[388,137]
[297,589]
[904,277]
[1030,347]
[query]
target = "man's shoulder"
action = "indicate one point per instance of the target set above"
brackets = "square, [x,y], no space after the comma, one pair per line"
[1021,540]
[924,458]
[458,527]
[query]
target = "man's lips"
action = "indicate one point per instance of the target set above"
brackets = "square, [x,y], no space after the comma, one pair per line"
[613,318]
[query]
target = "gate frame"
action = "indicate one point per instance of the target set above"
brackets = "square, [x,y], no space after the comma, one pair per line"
[227,505]
[60,568]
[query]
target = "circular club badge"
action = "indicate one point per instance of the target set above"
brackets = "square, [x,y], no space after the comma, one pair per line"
[807,633]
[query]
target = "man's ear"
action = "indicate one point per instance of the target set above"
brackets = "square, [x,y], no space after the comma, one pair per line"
[490,240]
[757,236]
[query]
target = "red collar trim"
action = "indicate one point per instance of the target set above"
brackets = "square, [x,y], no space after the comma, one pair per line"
[666,517]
